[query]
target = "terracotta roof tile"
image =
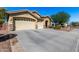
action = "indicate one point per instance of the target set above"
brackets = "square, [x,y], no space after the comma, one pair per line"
[31,12]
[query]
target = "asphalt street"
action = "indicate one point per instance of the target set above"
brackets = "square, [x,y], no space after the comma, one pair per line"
[49,40]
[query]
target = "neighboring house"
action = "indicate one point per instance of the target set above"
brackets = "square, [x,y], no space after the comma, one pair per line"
[24,20]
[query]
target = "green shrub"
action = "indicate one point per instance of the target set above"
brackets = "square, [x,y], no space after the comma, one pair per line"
[1,22]
[57,27]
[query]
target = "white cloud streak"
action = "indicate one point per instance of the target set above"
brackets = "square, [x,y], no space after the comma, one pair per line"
[40,3]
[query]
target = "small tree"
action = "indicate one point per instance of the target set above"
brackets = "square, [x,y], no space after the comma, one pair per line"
[75,23]
[60,18]
[2,15]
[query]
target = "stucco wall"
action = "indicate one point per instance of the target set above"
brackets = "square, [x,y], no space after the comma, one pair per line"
[10,20]
[40,25]
[10,23]
[49,22]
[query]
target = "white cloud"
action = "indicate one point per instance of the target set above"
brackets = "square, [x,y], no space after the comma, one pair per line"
[43,3]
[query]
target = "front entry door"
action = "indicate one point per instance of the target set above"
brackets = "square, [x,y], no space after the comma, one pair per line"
[46,24]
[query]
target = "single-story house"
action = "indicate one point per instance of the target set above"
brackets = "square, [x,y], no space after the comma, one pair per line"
[25,20]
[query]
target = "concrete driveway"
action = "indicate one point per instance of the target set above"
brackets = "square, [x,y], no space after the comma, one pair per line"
[49,40]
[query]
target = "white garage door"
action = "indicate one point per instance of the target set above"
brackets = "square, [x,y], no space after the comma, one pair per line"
[24,25]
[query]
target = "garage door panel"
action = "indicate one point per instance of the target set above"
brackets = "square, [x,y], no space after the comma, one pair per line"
[24,25]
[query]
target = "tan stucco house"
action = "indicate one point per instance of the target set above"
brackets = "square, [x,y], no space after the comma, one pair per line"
[25,20]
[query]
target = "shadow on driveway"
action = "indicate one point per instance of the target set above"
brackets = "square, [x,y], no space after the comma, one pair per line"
[6,37]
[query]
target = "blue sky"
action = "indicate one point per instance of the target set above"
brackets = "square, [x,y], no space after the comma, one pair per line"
[73,11]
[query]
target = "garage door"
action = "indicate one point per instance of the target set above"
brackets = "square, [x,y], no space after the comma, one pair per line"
[24,25]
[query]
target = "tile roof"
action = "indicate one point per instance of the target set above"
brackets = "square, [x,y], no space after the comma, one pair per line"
[30,12]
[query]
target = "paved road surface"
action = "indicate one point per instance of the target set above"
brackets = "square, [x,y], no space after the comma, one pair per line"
[49,40]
